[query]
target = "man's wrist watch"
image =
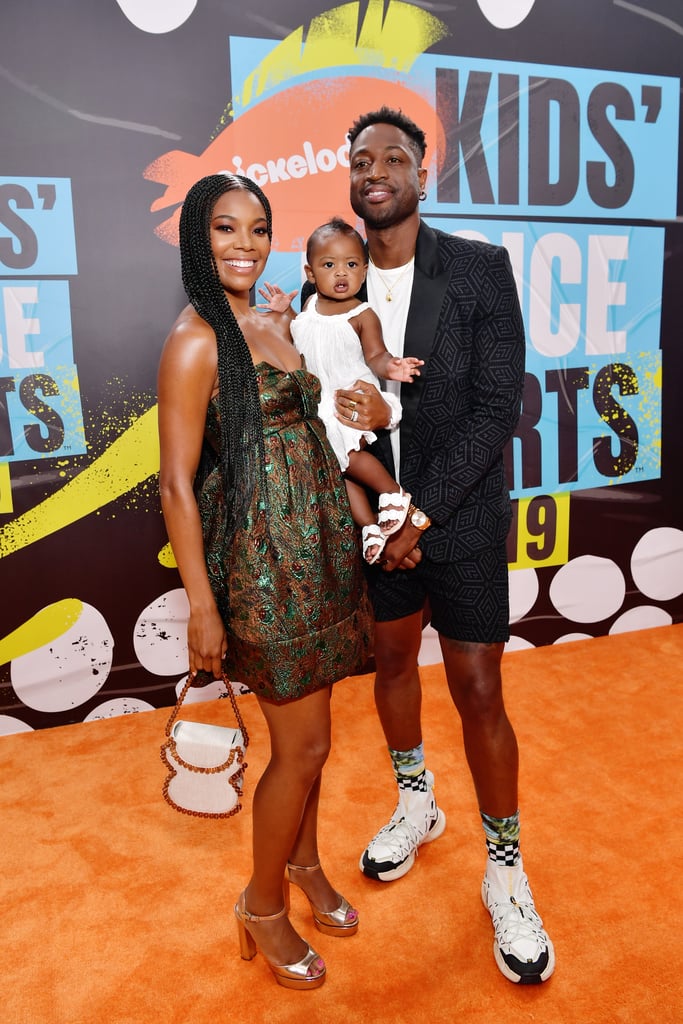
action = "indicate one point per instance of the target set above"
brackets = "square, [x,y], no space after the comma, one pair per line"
[417,518]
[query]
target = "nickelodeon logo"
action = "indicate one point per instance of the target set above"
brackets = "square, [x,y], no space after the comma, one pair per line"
[296,166]
[291,145]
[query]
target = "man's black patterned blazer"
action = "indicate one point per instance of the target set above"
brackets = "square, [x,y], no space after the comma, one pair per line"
[465,322]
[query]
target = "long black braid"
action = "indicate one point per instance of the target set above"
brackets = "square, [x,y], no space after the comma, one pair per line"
[242,457]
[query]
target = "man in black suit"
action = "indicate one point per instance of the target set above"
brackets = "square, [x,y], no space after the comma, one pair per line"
[453,303]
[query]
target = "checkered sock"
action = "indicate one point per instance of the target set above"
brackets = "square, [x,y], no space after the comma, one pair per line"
[502,839]
[409,768]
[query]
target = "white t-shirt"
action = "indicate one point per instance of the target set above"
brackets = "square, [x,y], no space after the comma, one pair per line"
[396,283]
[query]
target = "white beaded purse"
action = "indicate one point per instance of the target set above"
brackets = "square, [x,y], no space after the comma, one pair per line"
[206,763]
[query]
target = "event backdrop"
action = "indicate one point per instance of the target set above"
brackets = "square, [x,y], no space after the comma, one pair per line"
[553,128]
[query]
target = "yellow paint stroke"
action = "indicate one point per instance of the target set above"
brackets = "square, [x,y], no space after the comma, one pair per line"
[130,459]
[42,628]
[334,39]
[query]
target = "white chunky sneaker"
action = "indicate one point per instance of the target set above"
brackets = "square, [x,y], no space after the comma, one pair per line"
[416,820]
[522,948]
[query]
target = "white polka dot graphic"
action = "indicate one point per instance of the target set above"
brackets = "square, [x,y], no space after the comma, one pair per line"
[643,617]
[657,564]
[160,634]
[505,13]
[569,638]
[10,725]
[118,706]
[518,643]
[157,16]
[588,589]
[67,671]
[523,592]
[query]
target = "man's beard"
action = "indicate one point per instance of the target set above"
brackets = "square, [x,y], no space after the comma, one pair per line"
[384,218]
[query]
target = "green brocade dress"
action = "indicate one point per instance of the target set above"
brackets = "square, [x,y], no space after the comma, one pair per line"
[295,610]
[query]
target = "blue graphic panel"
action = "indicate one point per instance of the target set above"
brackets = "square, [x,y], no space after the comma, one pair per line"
[43,410]
[36,227]
[40,405]
[591,301]
[586,288]
[553,141]
[525,139]
[35,325]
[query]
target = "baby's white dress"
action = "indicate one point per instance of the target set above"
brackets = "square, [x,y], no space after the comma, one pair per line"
[332,351]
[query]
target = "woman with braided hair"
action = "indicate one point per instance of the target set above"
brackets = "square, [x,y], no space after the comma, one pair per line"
[258,518]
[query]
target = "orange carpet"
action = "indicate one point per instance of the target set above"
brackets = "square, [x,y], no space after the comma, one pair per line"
[117,909]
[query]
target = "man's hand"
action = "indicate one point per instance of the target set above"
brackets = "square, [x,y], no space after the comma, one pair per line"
[362,406]
[401,551]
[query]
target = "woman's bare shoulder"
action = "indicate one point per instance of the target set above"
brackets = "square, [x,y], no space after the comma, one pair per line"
[192,334]
[190,349]
[189,323]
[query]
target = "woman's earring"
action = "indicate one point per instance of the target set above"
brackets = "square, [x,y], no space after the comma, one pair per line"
[422,195]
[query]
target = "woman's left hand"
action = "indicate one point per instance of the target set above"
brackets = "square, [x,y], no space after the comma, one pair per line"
[206,642]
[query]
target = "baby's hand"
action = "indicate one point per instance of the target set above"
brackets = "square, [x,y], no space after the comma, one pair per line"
[403,369]
[277,301]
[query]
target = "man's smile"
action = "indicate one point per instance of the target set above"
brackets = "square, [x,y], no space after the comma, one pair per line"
[376,193]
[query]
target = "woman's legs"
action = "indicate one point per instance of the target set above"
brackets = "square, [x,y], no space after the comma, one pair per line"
[285,807]
[305,854]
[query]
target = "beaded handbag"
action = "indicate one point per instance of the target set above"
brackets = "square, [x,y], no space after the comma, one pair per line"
[206,763]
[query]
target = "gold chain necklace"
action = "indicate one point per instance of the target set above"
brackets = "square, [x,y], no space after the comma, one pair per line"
[391,287]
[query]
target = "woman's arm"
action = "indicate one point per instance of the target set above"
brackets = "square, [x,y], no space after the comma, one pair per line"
[187,376]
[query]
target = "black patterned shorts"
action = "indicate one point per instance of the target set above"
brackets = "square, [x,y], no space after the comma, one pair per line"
[468,600]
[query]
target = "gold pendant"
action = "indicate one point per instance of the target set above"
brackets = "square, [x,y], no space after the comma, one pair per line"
[388,297]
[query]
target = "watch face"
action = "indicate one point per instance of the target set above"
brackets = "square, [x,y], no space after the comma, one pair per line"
[418,519]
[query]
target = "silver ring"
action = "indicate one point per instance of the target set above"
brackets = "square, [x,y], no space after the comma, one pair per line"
[354,415]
